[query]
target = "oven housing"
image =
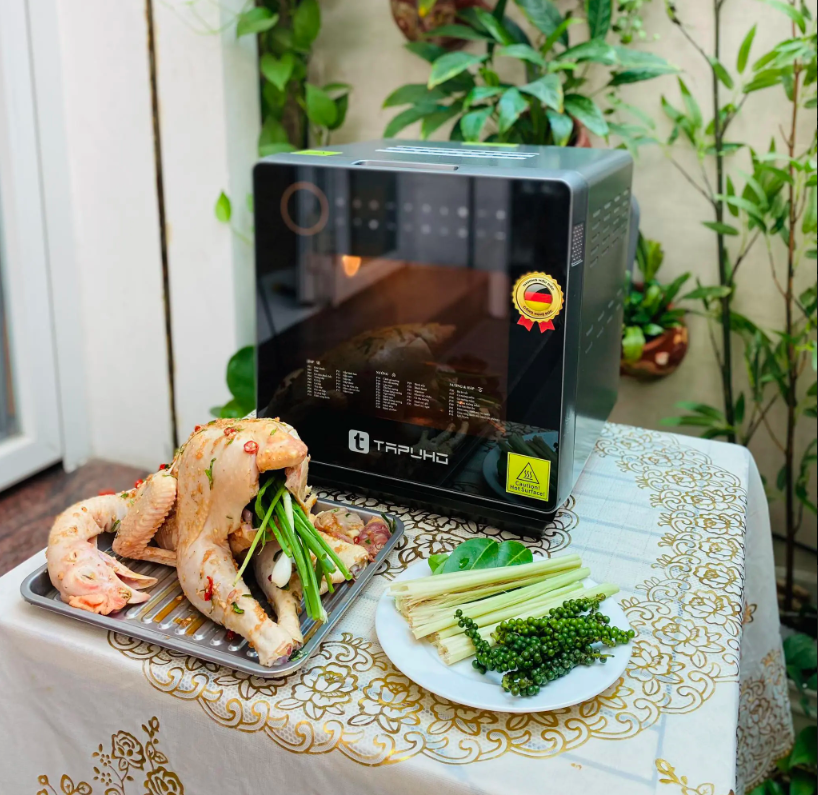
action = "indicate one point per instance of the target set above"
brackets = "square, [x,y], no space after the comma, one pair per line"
[590,218]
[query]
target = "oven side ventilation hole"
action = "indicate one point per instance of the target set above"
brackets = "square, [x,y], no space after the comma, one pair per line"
[608,224]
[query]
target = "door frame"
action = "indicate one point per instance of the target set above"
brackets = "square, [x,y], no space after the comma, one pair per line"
[24,253]
[45,57]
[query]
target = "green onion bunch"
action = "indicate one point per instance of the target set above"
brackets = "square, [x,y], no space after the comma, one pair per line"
[284,519]
[532,652]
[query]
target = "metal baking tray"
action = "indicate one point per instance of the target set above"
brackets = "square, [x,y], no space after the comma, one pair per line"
[167,619]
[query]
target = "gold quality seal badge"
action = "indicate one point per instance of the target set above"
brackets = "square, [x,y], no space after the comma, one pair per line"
[538,299]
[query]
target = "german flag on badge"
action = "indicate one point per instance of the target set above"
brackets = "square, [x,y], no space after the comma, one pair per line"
[538,298]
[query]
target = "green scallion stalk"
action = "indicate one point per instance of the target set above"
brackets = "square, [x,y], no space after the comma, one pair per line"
[312,544]
[312,540]
[327,574]
[279,536]
[302,564]
[260,510]
[307,525]
[321,613]
[288,508]
[262,527]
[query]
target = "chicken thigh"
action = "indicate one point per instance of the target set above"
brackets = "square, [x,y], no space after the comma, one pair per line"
[218,474]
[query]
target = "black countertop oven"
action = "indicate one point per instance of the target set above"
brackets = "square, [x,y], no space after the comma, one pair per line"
[441,322]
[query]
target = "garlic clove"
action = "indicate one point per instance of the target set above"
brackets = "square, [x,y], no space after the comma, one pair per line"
[282,570]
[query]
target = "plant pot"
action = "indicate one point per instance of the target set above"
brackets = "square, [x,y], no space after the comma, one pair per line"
[582,138]
[660,357]
[414,27]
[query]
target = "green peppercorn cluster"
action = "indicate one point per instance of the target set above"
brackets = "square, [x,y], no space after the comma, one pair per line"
[534,651]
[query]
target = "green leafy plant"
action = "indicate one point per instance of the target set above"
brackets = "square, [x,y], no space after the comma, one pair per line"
[797,771]
[545,105]
[771,203]
[648,312]
[293,110]
[628,23]
[241,381]
[802,663]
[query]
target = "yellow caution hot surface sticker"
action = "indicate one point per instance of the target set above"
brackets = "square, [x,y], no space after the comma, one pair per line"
[528,476]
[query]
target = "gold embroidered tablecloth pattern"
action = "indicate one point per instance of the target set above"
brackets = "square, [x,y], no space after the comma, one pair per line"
[697,618]
[130,764]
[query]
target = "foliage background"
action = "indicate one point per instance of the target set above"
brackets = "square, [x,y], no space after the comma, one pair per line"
[671,210]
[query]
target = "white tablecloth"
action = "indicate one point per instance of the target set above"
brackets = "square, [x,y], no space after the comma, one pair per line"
[680,524]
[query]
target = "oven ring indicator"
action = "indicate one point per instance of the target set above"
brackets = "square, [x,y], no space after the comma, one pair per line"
[291,190]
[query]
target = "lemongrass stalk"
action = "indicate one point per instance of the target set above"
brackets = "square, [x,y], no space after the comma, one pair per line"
[423,606]
[477,607]
[538,610]
[440,584]
[543,602]
[504,601]
[446,583]
[459,648]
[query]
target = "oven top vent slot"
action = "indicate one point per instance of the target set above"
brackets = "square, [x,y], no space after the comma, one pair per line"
[432,151]
[393,164]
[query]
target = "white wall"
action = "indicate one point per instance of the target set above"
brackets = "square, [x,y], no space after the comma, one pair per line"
[113,207]
[99,147]
[210,121]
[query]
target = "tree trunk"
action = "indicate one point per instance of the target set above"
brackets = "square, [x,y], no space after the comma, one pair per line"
[792,361]
[725,277]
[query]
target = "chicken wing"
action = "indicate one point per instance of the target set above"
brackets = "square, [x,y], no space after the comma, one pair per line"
[86,577]
[152,502]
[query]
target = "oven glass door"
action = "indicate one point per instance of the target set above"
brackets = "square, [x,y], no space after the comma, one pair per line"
[388,333]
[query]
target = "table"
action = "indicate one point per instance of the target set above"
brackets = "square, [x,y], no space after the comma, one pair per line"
[680,524]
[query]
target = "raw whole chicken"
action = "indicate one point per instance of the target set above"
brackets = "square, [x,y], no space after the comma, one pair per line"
[206,488]
[194,510]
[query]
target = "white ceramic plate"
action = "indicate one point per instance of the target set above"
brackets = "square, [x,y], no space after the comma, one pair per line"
[461,683]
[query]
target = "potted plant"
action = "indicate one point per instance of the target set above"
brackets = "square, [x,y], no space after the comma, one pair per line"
[654,334]
[294,111]
[549,105]
[417,18]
